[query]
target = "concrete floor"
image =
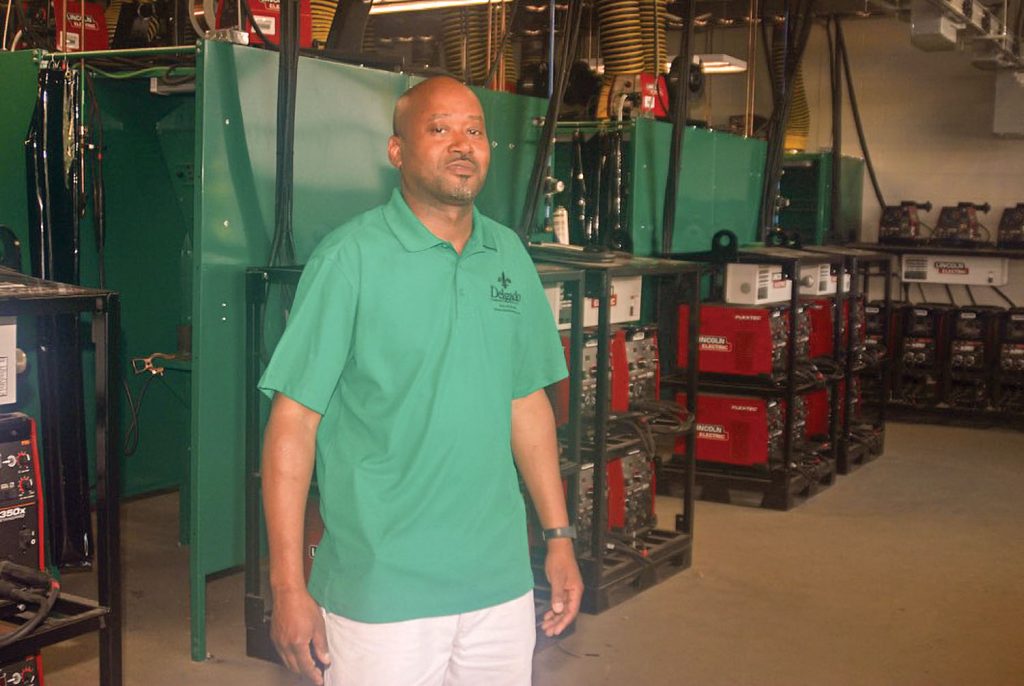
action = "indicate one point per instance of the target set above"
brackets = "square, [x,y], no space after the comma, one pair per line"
[908,571]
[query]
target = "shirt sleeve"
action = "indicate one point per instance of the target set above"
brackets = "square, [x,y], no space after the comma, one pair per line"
[317,341]
[541,357]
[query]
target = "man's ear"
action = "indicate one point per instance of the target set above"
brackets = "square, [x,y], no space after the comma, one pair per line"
[395,152]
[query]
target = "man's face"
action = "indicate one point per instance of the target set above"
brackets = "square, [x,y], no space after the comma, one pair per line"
[441,149]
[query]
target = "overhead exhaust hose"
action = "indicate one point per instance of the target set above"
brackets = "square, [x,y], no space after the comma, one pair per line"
[655,47]
[467,35]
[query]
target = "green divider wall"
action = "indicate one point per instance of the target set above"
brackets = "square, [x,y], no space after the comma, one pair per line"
[719,187]
[343,120]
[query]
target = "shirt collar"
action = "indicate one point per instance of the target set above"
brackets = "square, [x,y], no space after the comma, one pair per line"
[415,237]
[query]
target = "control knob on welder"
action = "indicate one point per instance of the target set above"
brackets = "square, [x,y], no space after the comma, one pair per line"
[26,538]
[11,461]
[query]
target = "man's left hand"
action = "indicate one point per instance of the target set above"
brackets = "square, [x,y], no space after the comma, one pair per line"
[566,586]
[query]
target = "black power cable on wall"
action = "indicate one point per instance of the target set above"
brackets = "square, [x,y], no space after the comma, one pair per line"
[282,249]
[845,59]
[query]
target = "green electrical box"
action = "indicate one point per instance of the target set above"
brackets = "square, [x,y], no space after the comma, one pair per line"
[807,185]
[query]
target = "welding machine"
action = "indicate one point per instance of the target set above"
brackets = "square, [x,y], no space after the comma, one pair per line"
[27,672]
[737,341]
[93,36]
[21,518]
[819,414]
[631,490]
[925,336]
[1009,386]
[959,226]
[1011,228]
[743,430]
[636,371]
[267,16]
[900,225]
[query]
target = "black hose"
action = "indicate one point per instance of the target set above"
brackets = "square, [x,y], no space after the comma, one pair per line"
[837,144]
[681,105]
[570,35]
[501,45]
[841,42]
[282,251]
[796,34]
[256,27]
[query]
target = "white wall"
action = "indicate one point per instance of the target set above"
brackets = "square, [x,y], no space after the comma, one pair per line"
[927,118]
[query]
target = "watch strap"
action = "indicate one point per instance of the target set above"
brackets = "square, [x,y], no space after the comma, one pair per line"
[559,532]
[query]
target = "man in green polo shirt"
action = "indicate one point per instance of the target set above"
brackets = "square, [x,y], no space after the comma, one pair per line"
[412,374]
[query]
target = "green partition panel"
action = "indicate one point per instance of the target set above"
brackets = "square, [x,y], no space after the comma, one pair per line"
[343,121]
[719,186]
[148,164]
[18,82]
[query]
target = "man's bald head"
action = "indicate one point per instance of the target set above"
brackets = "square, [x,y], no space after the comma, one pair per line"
[410,99]
[440,145]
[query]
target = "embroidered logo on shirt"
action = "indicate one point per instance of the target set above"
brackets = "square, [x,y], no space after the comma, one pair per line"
[504,299]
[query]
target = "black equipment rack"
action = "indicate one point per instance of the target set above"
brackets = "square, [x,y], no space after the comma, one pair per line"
[609,575]
[26,296]
[780,487]
[943,414]
[863,265]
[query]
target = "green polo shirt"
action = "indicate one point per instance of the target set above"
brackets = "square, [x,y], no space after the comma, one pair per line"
[413,353]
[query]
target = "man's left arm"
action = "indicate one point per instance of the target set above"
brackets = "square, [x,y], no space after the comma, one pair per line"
[535,447]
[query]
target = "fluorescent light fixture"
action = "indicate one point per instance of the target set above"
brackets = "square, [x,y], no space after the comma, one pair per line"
[719,63]
[391,6]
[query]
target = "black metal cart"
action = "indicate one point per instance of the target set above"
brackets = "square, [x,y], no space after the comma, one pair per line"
[25,296]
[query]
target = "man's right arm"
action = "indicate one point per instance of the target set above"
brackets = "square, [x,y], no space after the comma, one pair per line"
[289,452]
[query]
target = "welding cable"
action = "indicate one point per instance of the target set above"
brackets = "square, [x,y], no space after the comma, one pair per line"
[99,205]
[131,433]
[634,422]
[649,571]
[830,369]
[664,416]
[19,591]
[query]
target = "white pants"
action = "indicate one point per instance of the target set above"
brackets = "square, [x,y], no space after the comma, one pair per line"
[493,646]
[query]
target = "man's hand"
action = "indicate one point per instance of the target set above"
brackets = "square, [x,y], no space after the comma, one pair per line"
[566,586]
[297,629]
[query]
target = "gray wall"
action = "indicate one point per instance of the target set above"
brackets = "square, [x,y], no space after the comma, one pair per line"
[927,118]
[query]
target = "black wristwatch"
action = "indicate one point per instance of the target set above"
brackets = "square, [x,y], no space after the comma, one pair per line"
[560,532]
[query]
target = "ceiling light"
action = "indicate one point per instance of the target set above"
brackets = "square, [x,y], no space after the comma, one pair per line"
[391,6]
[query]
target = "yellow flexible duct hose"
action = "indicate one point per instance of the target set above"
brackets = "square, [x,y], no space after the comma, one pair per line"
[652,21]
[322,12]
[798,126]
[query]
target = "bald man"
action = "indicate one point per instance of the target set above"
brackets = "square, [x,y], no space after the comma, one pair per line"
[411,375]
